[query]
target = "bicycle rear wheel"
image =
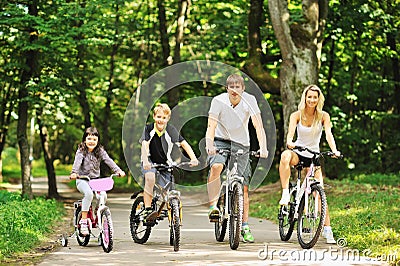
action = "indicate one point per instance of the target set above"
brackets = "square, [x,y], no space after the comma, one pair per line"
[286,216]
[175,224]
[312,212]
[236,215]
[220,226]
[140,233]
[82,240]
[106,235]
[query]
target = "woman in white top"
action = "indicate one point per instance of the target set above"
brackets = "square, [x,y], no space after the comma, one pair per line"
[308,122]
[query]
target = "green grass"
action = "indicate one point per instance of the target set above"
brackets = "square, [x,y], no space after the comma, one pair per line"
[364,211]
[25,223]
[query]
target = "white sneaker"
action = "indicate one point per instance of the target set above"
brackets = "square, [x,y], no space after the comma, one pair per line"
[328,234]
[285,198]
[84,227]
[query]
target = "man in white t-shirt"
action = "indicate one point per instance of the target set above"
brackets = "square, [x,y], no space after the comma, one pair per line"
[227,128]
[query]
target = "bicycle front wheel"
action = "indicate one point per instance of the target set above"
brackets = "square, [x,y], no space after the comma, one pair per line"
[220,226]
[106,235]
[175,224]
[236,215]
[286,216]
[140,233]
[312,212]
[82,240]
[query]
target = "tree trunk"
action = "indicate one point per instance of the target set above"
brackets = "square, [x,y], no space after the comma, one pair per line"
[5,118]
[254,64]
[300,45]
[166,49]
[82,83]
[51,174]
[183,6]
[28,73]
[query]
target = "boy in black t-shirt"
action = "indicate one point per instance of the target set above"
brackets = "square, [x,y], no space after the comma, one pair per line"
[157,142]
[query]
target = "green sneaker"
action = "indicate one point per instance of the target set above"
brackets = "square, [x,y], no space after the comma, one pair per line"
[213,214]
[246,234]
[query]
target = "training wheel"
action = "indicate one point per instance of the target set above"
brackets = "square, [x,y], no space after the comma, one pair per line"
[64,240]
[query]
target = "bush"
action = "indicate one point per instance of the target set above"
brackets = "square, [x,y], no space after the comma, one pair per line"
[24,223]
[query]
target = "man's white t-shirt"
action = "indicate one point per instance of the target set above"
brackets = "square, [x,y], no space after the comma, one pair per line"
[233,121]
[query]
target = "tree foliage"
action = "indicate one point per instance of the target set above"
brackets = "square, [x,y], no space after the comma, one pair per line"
[89,57]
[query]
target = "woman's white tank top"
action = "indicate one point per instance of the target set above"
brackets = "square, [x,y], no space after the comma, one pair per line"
[306,138]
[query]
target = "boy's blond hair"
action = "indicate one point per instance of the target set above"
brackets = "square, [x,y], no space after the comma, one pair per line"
[162,107]
[235,78]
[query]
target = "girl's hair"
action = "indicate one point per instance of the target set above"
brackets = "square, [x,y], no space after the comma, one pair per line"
[235,78]
[318,109]
[162,107]
[90,131]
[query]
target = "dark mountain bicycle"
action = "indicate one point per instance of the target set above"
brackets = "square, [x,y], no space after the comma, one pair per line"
[166,202]
[230,201]
[307,205]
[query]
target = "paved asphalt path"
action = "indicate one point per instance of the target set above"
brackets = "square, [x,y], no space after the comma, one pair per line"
[198,244]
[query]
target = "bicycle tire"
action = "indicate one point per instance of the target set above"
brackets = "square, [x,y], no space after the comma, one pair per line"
[286,219]
[106,235]
[221,225]
[236,215]
[175,223]
[140,233]
[82,240]
[309,226]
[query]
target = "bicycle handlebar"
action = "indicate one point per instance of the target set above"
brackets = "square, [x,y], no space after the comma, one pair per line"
[87,178]
[239,152]
[317,154]
[161,166]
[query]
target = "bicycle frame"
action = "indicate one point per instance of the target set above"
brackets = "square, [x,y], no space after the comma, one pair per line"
[305,187]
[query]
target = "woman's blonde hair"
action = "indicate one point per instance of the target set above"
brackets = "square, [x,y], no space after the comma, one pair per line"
[162,107]
[318,109]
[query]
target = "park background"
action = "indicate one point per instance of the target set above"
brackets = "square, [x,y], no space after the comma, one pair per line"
[67,65]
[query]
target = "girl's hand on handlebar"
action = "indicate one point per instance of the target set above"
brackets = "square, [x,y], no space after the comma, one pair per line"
[121,173]
[73,176]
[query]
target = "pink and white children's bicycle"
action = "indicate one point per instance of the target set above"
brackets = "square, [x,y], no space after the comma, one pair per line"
[100,218]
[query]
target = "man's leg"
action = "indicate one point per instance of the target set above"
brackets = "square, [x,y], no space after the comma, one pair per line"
[213,186]
[214,183]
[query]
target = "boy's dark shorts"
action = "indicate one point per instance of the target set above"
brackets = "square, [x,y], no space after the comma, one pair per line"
[162,177]
[244,168]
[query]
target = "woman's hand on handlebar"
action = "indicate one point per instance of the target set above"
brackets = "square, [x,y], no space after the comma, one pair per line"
[290,145]
[73,176]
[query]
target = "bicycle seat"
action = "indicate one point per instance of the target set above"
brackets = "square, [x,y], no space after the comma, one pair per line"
[299,166]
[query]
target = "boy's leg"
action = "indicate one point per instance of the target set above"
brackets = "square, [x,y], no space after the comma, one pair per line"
[150,179]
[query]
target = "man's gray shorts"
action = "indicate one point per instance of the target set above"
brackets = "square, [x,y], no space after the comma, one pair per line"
[244,168]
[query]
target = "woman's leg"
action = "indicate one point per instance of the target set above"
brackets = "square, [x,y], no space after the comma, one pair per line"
[288,158]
